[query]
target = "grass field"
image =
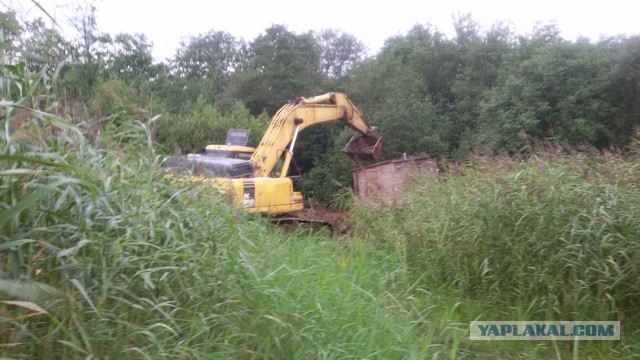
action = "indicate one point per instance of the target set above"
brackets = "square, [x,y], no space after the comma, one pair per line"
[102,258]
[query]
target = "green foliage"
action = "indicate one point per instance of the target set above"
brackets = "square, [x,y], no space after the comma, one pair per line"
[78,81]
[508,116]
[282,64]
[128,58]
[206,125]
[203,66]
[114,98]
[24,89]
[45,48]
[100,227]
[500,91]
[212,55]
[102,257]
[405,115]
[547,238]
[331,175]
[623,86]
[412,122]
[491,89]
[86,273]
[339,52]
[305,297]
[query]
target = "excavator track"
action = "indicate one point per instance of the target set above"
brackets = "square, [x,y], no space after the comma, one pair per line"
[318,219]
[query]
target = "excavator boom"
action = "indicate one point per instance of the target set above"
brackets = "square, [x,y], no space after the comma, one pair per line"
[302,113]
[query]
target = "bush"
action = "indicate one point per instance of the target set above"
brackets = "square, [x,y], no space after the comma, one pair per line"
[206,125]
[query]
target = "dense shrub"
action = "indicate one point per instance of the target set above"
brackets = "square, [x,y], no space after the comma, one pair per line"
[206,125]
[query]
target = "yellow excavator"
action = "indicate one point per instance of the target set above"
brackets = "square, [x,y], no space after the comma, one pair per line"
[249,173]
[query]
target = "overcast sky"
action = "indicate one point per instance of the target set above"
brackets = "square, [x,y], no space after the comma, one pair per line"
[167,22]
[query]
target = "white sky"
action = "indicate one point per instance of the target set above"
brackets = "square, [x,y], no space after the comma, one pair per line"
[167,22]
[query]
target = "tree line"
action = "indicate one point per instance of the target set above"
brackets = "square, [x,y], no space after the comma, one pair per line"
[490,88]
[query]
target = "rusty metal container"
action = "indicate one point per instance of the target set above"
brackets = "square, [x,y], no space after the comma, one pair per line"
[389,180]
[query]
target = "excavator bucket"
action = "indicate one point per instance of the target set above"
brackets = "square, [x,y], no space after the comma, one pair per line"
[364,147]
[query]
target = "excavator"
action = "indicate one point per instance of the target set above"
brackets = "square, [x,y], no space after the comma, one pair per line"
[250,175]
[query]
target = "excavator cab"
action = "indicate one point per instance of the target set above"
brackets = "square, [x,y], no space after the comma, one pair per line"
[235,145]
[228,160]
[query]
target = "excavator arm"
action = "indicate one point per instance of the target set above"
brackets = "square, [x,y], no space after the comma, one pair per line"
[304,112]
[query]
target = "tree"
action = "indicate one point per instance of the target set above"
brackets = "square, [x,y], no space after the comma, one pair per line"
[467,29]
[213,55]
[394,97]
[480,58]
[339,52]
[431,55]
[203,65]
[128,58]
[557,92]
[623,86]
[44,47]
[509,115]
[9,30]
[83,20]
[282,65]
[81,75]
[410,83]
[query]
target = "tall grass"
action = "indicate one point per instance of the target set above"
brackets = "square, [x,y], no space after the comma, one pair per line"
[95,237]
[102,258]
[547,238]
